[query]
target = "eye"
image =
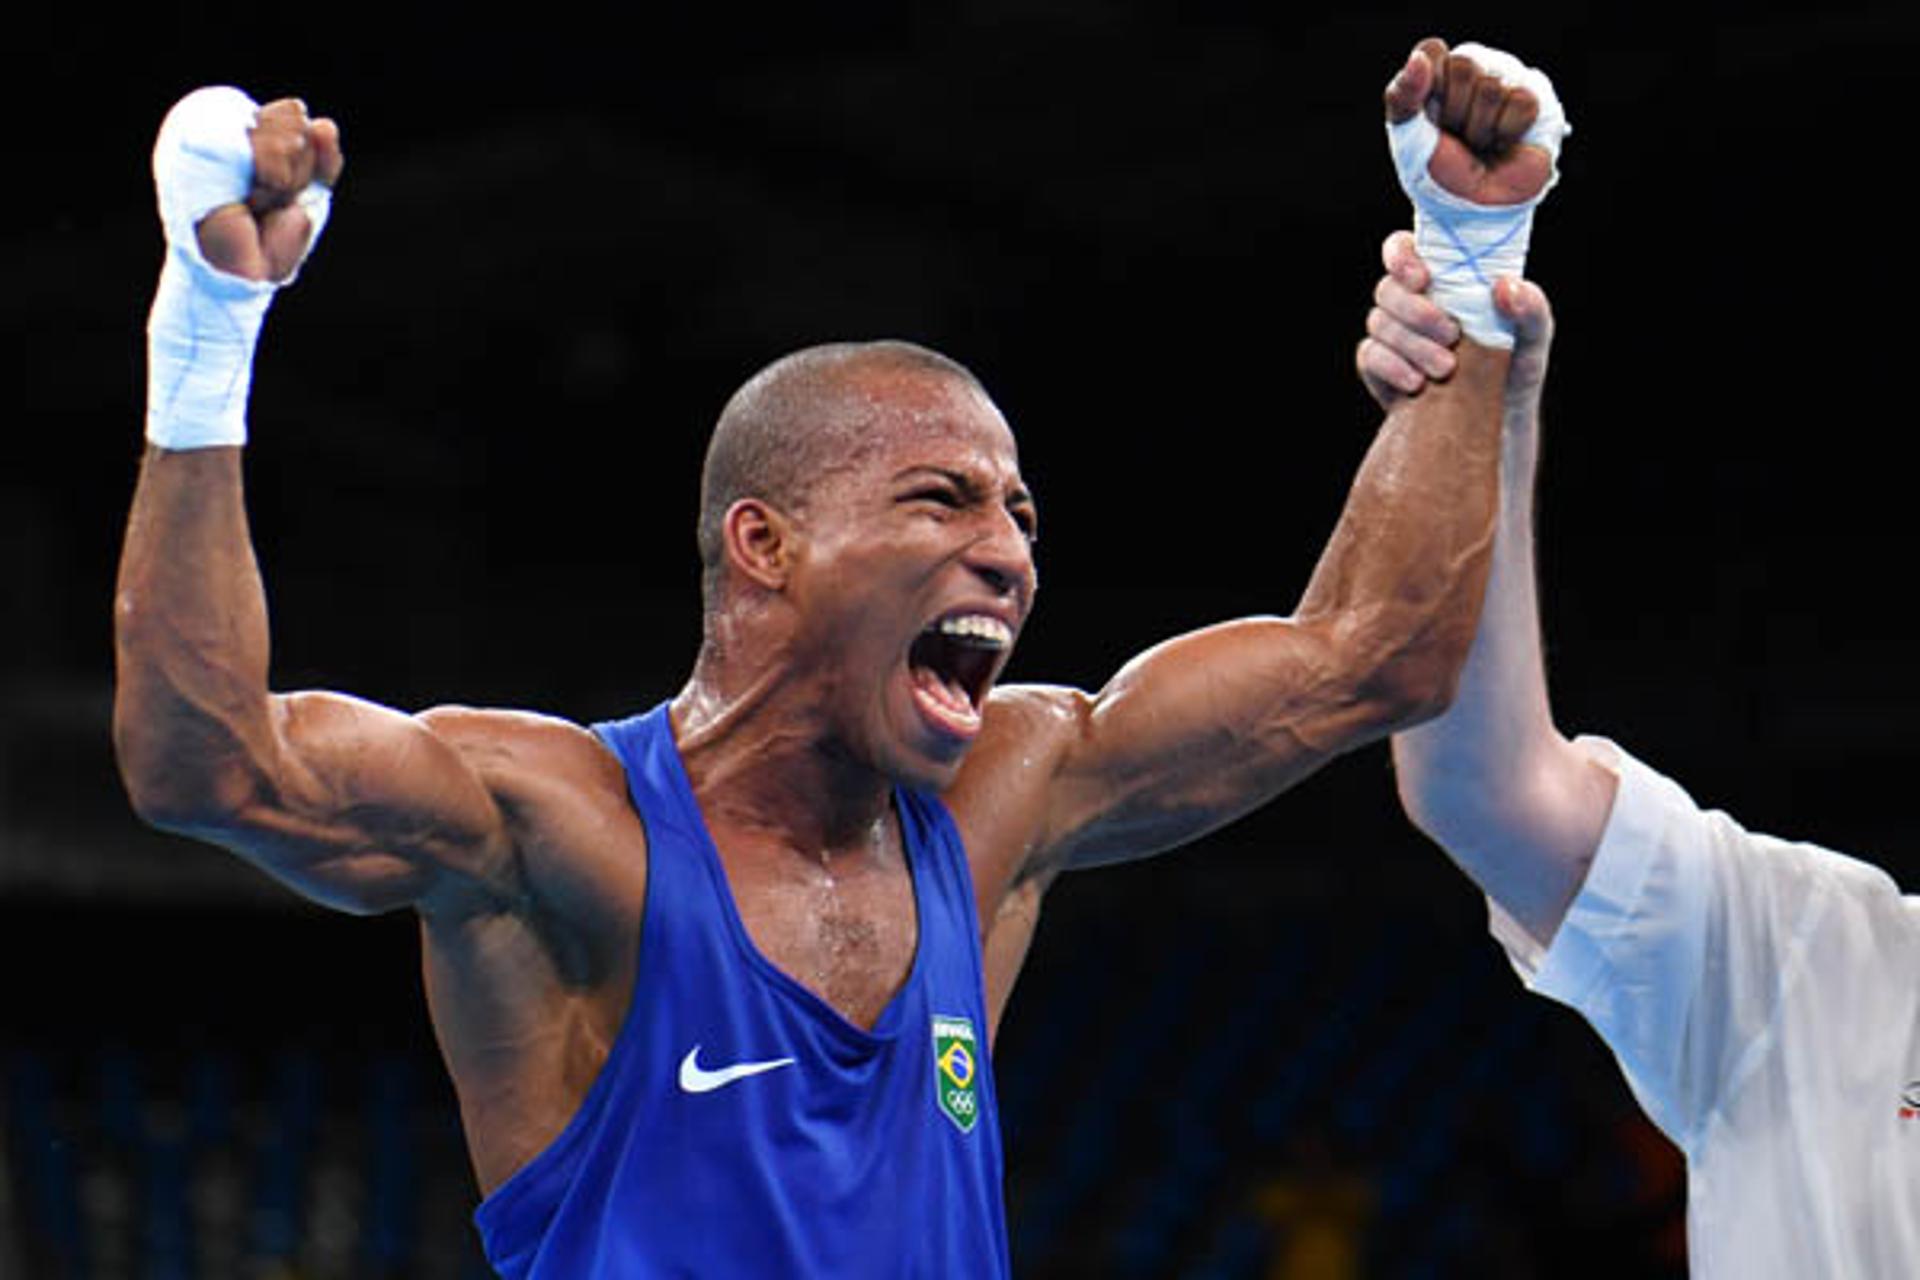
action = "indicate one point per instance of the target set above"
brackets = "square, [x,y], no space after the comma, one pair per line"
[938,495]
[1025,521]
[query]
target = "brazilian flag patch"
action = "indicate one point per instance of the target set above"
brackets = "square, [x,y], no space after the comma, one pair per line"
[956,1071]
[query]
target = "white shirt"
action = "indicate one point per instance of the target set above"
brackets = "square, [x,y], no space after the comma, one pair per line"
[1763,998]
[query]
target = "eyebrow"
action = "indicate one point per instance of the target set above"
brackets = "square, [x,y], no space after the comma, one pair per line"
[967,484]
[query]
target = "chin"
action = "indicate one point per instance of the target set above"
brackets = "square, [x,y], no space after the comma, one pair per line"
[929,771]
[923,760]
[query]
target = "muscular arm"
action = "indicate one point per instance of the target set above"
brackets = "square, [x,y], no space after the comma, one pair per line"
[355,805]
[1203,728]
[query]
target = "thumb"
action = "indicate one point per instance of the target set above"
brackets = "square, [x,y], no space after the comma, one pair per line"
[230,242]
[1407,92]
[1524,303]
[284,236]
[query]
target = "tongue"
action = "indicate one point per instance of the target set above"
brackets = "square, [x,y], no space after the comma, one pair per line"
[945,702]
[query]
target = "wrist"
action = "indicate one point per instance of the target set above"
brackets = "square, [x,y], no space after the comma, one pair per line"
[201,335]
[1467,248]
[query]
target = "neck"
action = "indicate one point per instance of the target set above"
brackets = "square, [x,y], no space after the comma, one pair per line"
[762,755]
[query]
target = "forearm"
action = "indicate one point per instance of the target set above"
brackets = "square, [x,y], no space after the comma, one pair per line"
[1398,588]
[1499,716]
[1516,804]
[1200,729]
[192,714]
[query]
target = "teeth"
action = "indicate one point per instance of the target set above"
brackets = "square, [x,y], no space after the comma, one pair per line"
[978,629]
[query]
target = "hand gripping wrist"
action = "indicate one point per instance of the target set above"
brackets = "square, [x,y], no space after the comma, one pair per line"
[1467,246]
[204,322]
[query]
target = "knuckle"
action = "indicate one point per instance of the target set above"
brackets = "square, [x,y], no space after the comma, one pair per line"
[1407,307]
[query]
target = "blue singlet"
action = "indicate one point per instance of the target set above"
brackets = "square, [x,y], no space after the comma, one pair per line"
[741,1127]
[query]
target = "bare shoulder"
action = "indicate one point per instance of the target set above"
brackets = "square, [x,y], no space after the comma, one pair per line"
[561,790]
[580,847]
[524,753]
[479,728]
[1025,732]
[1001,797]
[1029,709]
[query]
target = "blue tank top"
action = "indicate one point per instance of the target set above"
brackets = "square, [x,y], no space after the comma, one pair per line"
[741,1127]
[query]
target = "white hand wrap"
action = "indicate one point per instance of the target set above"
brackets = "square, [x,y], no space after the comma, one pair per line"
[1468,246]
[204,322]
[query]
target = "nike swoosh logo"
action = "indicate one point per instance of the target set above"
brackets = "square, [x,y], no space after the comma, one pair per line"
[696,1079]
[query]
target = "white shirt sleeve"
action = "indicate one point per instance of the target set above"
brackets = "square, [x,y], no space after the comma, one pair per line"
[1693,942]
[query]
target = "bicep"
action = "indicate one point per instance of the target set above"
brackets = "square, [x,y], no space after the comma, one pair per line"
[363,808]
[1199,730]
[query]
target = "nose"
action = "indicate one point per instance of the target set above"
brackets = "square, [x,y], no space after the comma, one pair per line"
[1003,558]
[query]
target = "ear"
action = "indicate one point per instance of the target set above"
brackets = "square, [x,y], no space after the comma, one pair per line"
[760,541]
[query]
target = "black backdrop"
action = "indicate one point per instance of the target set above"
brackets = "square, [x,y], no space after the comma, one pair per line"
[565,235]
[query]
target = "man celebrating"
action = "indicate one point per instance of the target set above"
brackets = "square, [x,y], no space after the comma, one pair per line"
[716,984]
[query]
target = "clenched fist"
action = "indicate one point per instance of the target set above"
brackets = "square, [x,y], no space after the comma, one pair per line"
[265,237]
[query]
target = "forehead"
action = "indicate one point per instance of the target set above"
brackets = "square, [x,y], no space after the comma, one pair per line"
[917,418]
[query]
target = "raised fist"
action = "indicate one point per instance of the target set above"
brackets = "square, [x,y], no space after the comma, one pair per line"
[1475,136]
[1480,156]
[265,237]
[243,192]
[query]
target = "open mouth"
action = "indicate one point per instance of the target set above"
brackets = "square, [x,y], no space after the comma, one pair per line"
[952,664]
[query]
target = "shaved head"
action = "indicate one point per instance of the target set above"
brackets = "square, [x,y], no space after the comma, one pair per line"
[799,419]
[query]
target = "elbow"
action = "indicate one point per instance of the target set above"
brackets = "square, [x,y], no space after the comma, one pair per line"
[1413,687]
[1408,670]
[169,789]
[140,763]
[169,811]
[1466,801]
[1423,796]
[193,756]
[1421,694]
[161,802]
[1456,808]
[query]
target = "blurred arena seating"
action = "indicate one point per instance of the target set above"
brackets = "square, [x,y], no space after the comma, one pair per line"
[1252,1095]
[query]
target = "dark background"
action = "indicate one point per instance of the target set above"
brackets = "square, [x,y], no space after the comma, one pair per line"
[564,236]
